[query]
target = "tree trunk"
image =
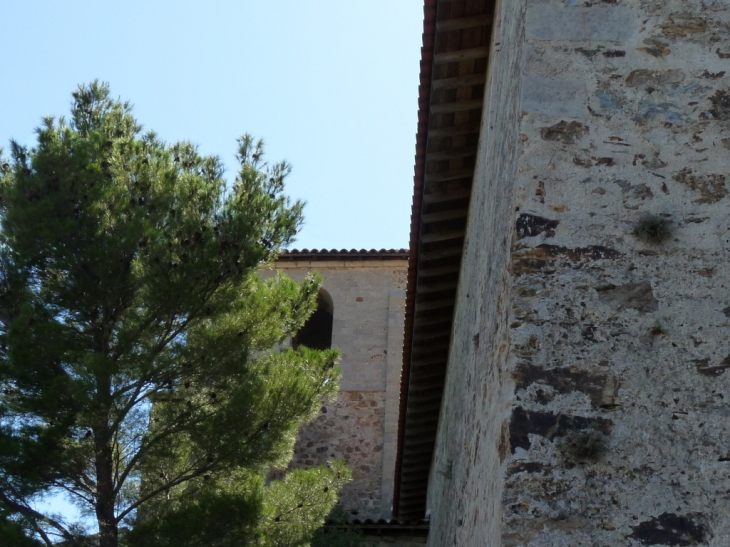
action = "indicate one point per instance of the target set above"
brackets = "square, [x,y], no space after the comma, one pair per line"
[105,497]
[105,517]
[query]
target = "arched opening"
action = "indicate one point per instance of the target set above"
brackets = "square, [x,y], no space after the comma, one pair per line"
[317,331]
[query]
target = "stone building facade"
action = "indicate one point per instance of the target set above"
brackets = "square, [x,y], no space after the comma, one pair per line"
[585,400]
[366,290]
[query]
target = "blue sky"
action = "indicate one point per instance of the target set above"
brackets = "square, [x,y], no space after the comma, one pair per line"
[331,85]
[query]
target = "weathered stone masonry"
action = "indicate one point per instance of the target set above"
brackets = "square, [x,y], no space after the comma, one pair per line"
[361,425]
[586,400]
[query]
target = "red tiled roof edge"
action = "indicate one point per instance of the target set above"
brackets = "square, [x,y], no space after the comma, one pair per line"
[343,254]
[424,100]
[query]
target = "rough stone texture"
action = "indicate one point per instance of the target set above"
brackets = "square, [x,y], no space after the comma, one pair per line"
[593,330]
[553,22]
[351,428]
[361,425]
[465,486]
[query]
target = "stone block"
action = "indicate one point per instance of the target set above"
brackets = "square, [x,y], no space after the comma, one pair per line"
[554,97]
[611,24]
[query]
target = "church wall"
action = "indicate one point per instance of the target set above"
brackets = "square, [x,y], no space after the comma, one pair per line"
[465,484]
[360,426]
[587,394]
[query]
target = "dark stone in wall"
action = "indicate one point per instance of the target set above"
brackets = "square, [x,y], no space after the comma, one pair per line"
[706,369]
[710,187]
[589,333]
[567,132]
[588,53]
[531,225]
[671,529]
[632,295]
[542,257]
[683,25]
[549,425]
[713,75]
[563,380]
[594,252]
[643,77]
[720,105]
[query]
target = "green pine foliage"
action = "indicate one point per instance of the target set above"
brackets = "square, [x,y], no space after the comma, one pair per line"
[136,371]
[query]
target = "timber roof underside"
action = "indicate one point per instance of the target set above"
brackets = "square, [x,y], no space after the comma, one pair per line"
[456,40]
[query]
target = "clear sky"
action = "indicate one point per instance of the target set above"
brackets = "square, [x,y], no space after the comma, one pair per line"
[331,86]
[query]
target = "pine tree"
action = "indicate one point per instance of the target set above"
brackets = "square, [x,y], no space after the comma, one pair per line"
[136,370]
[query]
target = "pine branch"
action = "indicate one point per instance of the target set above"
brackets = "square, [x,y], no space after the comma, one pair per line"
[192,474]
[36,517]
[142,451]
[74,492]
[41,532]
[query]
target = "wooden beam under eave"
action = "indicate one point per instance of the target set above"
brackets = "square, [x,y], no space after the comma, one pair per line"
[430,351]
[417,458]
[428,343]
[435,287]
[437,270]
[422,398]
[423,416]
[440,197]
[460,106]
[424,419]
[454,250]
[412,504]
[461,55]
[421,420]
[442,235]
[414,472]
[432,320]
[421,387]
[413,498]
[434,304]
[432,394]
[451,154]
[427,362]
[452,174]
[425,338]
[440,216]
[459,81]
[419,467]
[427,366]
[454,130]
[435,371]
[463,22]
[415,468]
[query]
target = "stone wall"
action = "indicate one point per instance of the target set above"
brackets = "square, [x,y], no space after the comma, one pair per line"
[465,484]
[360,427]
[351,428]
[587,396]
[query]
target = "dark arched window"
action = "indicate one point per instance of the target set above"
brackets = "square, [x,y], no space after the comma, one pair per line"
[317,331]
